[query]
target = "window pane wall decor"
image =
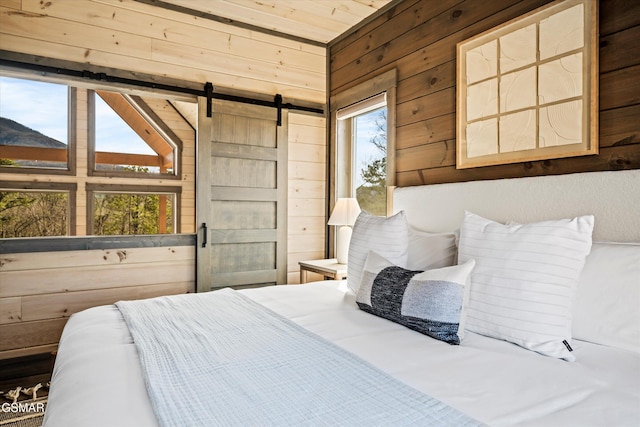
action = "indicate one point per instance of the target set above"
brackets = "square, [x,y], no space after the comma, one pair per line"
[527,89]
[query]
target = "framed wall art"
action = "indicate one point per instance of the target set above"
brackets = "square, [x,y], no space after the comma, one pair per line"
[528,89]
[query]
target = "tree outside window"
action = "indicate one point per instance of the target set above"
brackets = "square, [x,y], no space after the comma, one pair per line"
[371,161]
[132,214]
[33,214]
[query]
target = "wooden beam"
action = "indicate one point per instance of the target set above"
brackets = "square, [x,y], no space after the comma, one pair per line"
[106,158]
[137,122]
[17,152]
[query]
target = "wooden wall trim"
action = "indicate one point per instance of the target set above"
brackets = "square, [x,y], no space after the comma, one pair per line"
[77,243]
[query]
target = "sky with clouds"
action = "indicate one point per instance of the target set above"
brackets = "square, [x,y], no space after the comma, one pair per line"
[36,105]
[48,115]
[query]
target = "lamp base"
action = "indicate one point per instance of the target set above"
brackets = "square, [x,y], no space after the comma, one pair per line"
[342,244]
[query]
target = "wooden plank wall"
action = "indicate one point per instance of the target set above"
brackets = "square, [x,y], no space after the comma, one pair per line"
[307,218]
[41,290]
[137,37]
[419,37]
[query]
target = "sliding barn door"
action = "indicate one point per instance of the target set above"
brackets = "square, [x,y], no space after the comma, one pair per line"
[241,196]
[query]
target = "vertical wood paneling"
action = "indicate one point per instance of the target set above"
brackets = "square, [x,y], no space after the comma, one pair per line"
[307,191]
[425,55]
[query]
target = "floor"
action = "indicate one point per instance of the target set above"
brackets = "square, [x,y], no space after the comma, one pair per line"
[26,372]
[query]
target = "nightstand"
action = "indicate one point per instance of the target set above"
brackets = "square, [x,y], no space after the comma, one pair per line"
[329,268]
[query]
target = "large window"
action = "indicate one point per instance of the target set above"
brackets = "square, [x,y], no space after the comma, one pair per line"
[34,125]
[123,181]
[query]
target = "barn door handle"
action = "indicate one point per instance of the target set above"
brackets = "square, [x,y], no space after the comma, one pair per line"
[204,237]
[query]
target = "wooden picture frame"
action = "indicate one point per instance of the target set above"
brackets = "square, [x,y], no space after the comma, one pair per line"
[528,89]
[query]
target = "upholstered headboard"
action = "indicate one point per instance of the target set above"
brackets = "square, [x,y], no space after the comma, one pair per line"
[612,197]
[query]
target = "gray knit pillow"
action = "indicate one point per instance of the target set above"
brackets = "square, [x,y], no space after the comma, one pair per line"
[429,302]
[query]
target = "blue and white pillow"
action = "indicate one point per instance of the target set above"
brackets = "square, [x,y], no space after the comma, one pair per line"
[430,302]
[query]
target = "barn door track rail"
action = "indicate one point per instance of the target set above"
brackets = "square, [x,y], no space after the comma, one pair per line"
[208,90]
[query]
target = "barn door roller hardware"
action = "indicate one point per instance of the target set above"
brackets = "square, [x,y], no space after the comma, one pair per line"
[90,75]
[276,103]
[208,91]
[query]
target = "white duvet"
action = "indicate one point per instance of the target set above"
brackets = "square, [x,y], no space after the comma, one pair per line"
[97,378]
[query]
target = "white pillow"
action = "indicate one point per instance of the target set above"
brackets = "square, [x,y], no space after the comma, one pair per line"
[523,286]
[607,306]
[388,236]
[430,250]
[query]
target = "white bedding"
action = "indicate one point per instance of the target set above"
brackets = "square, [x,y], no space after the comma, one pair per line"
[97,378]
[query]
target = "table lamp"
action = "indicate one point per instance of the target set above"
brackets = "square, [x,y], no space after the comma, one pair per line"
[344,215]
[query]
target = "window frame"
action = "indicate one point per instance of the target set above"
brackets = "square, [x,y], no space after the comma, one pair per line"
[91,189]
[341,135]
[58,187]
[167,134]
[71,129]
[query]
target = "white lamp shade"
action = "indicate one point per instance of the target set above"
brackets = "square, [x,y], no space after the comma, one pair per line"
[345,212]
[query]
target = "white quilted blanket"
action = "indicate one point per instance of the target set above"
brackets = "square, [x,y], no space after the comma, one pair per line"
[222,359]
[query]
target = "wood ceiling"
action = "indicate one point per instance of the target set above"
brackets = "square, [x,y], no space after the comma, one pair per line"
[318,21]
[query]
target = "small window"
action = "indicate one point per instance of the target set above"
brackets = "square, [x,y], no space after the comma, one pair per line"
[34,213]
[125,141]
[133,213]
[370,166]
[362,134]
[34,124]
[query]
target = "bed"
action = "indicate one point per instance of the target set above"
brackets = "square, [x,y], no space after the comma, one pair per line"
[592,378]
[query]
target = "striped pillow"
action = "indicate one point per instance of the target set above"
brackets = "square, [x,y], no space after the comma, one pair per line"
[524,283]
[388,236]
